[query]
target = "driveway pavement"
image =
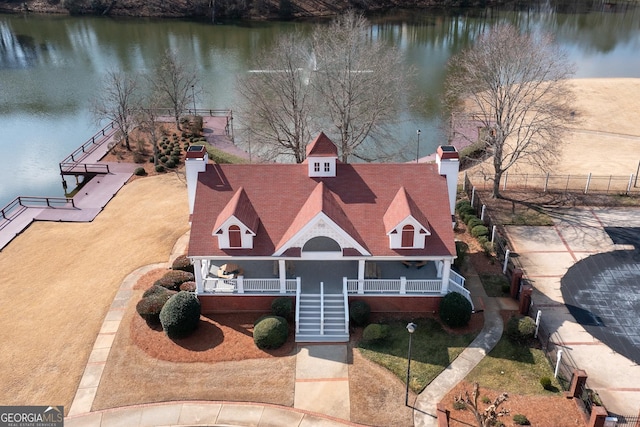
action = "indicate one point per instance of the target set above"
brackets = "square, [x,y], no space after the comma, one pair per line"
[586,275]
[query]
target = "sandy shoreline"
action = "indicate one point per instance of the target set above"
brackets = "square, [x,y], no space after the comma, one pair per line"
[60,278]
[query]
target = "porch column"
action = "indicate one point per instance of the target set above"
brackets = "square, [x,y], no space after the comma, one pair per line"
[282,273]
[197,272]
[439,267]
[361,276]
[446,270]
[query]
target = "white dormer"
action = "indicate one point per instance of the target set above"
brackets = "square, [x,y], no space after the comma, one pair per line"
[237,224]
[322,156]
[405,224]
[409,234]
[233,234]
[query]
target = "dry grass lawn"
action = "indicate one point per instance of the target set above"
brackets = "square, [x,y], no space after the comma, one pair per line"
[59,280]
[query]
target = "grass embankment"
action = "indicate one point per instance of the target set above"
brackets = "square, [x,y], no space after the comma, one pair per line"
[432,350]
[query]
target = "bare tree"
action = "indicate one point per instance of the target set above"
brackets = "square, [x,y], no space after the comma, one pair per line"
[175,83]
[515,86]
[278,98]
[148,117]
[117,100]
[487,417]
[361,82]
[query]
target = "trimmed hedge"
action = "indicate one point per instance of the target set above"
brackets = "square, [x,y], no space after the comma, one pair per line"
[149,308]
[270,332]
[180,316]
[182,263]
[479,230]
[282,306]
[140,172]
[174,278]
[520,329]
[462,251]
[359,312]
[188,286]
[455,310]
[375,332]
[473,222]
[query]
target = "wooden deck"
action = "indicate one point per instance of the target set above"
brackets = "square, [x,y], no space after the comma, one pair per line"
[105,179]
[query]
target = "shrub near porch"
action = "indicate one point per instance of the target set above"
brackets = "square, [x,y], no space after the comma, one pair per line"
[432,350]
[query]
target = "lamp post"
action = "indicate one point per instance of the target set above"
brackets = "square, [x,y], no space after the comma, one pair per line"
[411,327]
[193,95]
[418,147]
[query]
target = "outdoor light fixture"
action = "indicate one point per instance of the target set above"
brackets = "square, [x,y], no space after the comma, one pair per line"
[193,95]
[411,327]
[417,160]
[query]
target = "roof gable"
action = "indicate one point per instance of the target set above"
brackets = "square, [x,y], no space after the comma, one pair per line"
[401,207]
[320,201]
[240,207]
[322,146]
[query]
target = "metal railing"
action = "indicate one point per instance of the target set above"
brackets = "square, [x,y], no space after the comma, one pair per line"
[87,168]
[91,144]
[17,205]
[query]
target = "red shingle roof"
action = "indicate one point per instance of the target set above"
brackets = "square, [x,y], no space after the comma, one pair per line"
[400,208]
[279,193]
[322,146]
[239,206]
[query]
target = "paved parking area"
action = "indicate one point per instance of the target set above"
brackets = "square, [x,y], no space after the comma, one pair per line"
[586,275]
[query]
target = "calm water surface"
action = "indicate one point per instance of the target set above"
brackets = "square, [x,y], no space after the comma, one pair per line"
[50,67]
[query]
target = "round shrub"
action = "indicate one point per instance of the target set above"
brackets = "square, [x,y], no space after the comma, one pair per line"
[182,262]
[479,230]
[164,158]
[282,306]
[521,329]
[149,308]
[545,382]
[176,159]
[159,168]
[474,221]
[188,286]
[180,315]
[521,420]
[359,312]
[375,332]
[462,204]
[170,163]
[270,332]
[140,172]
[154,289]
[455,310]
[462,250]
[174,278]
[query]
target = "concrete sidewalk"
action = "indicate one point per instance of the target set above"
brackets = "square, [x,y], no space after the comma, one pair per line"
[424,414]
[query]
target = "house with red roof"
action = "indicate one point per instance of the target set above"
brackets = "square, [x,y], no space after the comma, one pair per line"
[323,233]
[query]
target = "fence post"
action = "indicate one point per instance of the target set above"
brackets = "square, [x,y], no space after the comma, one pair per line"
[598,416]
[464,182]
[558,360]
[473,195]
[516,279]
[538,314]
[484,207]
[546,183]
[630,182]
[578,381]
[586,188]
[525,299]
[493,233]
[506,261]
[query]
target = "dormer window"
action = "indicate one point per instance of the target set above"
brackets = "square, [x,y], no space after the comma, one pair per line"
[235,237]
[327,167]
[322,155]
[316,166]
[407,236]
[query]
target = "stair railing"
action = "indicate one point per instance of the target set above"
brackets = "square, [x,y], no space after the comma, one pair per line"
[321,308]
[298,292]
[346,305]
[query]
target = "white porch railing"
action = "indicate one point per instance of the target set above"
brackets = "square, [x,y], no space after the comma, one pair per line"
[454,287]
[346,307]
[241,285]
[395,286]
[321,308]
[456,278]
[298,292]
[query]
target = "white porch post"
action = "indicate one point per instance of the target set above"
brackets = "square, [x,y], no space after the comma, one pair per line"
[282,273]
[445,276]
[403,285]
[197,272]
[361,276]
[240,283]
[439,267]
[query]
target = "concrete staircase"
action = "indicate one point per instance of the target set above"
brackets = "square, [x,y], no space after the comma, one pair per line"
[310,324]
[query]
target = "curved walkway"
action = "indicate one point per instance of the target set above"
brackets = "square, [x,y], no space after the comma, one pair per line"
[424,414]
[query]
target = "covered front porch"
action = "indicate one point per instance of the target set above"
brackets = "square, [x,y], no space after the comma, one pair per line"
[286,276]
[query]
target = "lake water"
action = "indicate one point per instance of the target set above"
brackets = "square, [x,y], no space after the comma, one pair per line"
[50,67]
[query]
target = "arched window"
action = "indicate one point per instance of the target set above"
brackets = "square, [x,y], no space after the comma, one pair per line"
[235,237]
[407,236]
